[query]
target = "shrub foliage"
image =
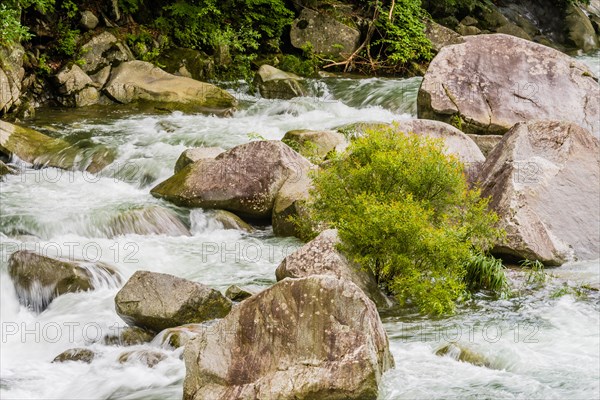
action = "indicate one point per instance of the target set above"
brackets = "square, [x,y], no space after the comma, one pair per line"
[404,211]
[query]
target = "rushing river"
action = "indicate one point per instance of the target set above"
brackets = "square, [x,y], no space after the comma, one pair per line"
[537,344]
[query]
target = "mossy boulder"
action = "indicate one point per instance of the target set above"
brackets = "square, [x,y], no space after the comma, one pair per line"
[244,180]
[39,279]
[273,83]
[311,338]
[43,151]
[462,353]
[324,33]
[230,221]
[159,301]
[188,62]
[103,50]
[141,81]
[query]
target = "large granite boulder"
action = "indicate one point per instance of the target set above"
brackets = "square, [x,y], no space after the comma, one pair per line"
[141,81]
[440,36]
[190,156]
[312,338]
[324,33]
[321,257]
[75,87]
[491,82]
[39,279]
[43,151]
[11,75]
[273,83]
[544,183]
[455,142]
[580,30]
[244,180]
[187,62]
[103,50]
[159,301]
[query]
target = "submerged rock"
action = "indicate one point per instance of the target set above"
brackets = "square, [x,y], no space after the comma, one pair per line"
[273,83]
[491,82]
[40,150]
[146,357]
[312,338]
[151,220]
[179,336]
[4,169]
[544,183]
[244,180]
[39,279]
[230,220]
[141,81]
[129,336]
[321,257]
[77,354]
[158,301]
[462,353]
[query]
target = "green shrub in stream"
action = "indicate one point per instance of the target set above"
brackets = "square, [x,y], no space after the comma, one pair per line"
[404,210]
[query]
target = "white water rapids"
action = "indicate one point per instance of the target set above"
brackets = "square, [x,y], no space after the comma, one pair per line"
[536,345]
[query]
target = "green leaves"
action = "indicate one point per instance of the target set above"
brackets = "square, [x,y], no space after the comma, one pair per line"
[403,210]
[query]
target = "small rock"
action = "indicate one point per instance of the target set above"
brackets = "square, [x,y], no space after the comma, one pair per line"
[158,301]
[129,336]
[236,293]
[147,357]
[230,221]
[43,151]
[78,354]
[88,20]
[462,353]
[179,336]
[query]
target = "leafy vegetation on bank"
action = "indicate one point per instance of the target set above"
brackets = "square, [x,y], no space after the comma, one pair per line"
[405,212]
